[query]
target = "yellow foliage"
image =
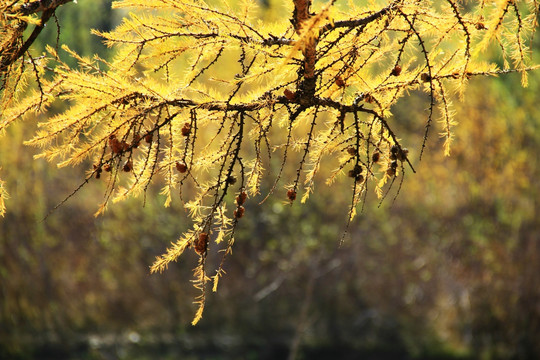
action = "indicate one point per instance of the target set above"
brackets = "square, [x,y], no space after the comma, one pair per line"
[204,97]
[3,197]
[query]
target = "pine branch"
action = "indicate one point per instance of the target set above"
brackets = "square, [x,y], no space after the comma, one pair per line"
[33,7]
[363,21]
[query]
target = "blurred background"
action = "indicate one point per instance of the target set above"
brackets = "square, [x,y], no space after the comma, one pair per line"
[449,270]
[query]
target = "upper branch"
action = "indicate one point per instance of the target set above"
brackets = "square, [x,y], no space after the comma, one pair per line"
[47,7]
[360,22]
[37,6]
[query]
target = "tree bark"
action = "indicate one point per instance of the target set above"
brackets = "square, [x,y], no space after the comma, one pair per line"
[300,16]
